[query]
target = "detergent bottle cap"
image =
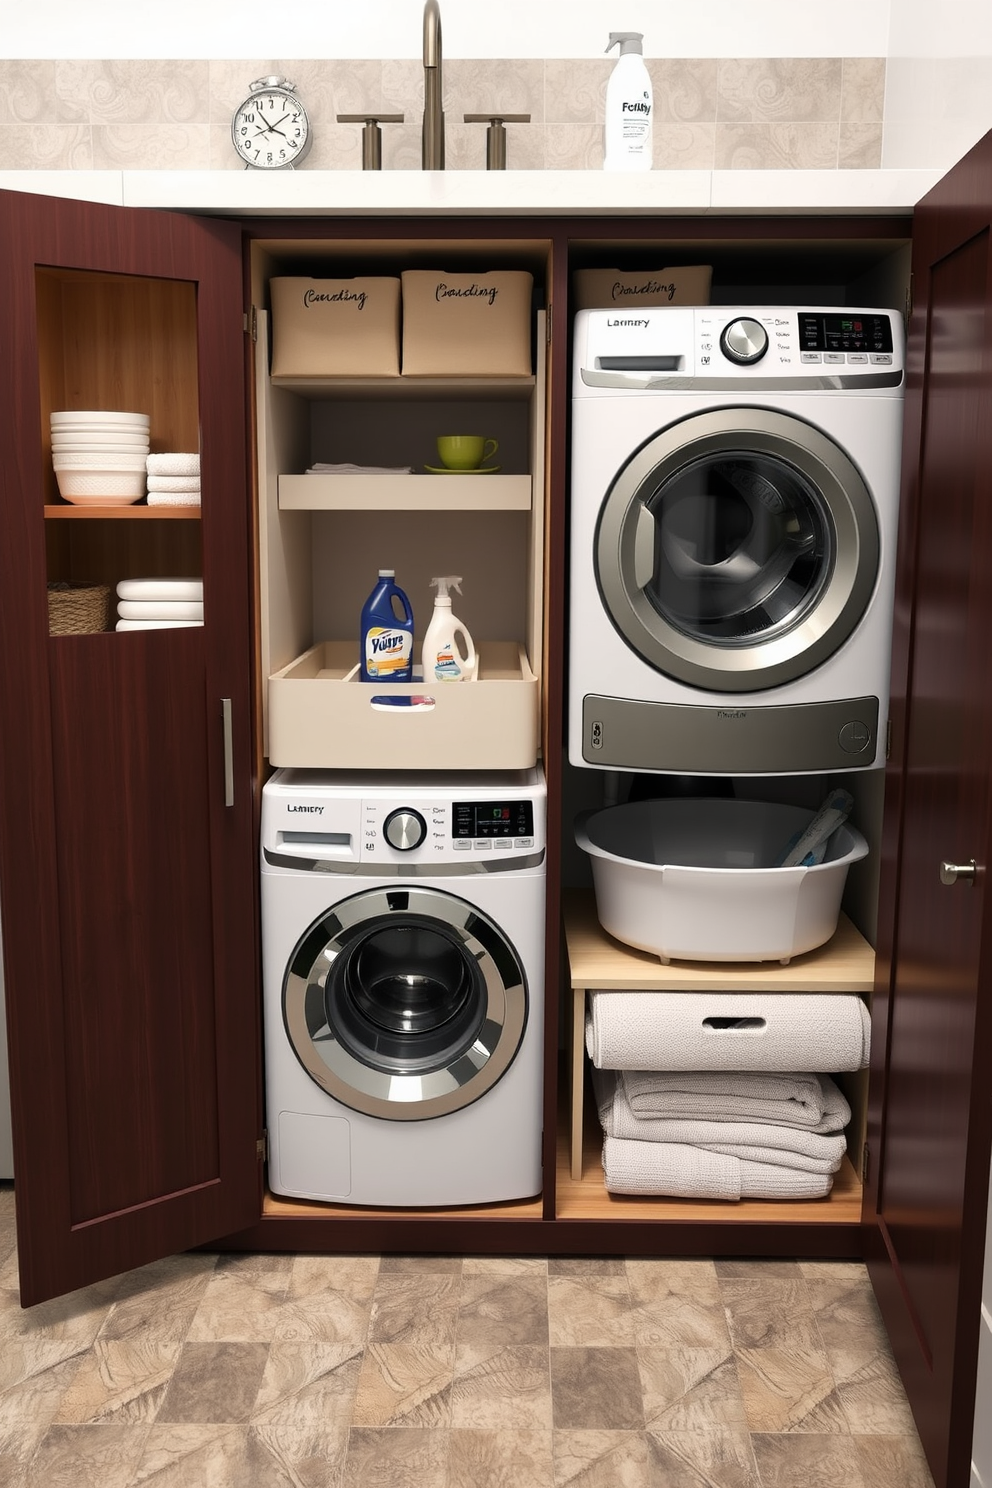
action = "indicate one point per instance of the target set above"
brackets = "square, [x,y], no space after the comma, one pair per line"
[628,41]
[445,585]
[387,573]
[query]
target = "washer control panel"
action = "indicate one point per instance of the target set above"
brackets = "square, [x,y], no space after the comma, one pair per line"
[672,346]
[311,822]
[445,831]
[793,340]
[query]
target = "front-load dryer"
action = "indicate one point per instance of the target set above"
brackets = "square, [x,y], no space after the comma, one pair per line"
[403,984]
[734,494]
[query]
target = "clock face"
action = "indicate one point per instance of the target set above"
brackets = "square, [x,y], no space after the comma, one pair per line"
[271,130]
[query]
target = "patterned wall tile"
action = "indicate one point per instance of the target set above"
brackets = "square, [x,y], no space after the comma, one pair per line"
[136,92]
[862,94]
[787,146]
[573,147]
[27,93]
[684,90]
[860,147]
[684,146]
[783,113]
[780,88]
[575,92]
[47,146]
[150,146]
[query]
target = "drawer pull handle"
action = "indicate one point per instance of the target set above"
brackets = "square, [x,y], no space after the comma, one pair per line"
[227,716]
[734,1025]
[952,873]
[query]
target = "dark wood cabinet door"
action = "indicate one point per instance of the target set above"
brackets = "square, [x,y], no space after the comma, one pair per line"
[931,1112]
[126,810]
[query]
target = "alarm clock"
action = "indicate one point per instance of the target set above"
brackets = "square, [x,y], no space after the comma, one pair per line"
[270,129]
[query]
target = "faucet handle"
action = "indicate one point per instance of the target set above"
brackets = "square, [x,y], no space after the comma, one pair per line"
[371,135]
[496,135]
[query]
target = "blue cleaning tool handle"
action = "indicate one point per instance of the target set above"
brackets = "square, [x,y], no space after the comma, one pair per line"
[802,850]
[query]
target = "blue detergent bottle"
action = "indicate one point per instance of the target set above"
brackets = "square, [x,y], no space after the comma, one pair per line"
[387,632]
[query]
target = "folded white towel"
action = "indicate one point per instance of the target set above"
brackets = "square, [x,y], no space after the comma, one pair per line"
[173,498]
[790,1147]
[727,1030]
[810,1102]
[663,1168]
[177,483]
[322,467]
[160,609]
[174,463]
[666,1169]
[157,624]
[153,589]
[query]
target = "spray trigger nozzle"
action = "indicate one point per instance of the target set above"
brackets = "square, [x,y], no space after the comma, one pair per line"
[446,584]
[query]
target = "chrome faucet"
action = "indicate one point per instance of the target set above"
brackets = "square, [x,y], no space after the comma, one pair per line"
[432,149]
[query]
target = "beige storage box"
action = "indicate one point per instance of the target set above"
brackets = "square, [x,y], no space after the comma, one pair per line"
[322,717]
[603,289]
[467,325]
[335,327]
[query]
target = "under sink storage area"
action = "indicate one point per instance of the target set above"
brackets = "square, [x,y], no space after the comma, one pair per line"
[387,502]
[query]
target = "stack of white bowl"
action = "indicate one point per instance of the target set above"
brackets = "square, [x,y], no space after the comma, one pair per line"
[99,457]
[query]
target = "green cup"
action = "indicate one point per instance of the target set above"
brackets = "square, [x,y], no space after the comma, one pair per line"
[465,451]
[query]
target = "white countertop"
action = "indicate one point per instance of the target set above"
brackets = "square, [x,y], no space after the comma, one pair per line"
[486,193]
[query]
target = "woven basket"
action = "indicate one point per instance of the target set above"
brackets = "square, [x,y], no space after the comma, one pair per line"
[79,609]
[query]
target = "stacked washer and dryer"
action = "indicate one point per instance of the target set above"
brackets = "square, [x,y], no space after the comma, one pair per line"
[403,981]
[734,496]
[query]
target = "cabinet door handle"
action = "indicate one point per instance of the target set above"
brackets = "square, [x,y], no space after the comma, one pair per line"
[227,716]
[952,873]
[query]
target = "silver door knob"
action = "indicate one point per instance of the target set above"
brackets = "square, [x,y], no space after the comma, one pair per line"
[952,873]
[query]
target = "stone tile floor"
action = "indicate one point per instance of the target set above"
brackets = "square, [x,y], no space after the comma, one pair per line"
[247,1371]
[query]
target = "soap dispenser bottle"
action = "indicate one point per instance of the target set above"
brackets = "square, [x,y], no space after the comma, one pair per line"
[443,660]
[387,633]
[629,107]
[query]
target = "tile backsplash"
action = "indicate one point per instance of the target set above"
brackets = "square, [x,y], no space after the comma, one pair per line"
[810,113]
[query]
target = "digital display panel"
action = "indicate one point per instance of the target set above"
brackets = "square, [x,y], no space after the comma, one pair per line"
[847,331]
[492,819]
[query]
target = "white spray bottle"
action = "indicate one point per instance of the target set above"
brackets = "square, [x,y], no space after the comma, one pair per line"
[442,658]
[629,107]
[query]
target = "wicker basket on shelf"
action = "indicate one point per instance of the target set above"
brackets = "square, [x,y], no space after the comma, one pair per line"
[79,609]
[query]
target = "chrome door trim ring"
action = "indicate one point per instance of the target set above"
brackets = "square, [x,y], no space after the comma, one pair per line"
[818,635]
[388,1094]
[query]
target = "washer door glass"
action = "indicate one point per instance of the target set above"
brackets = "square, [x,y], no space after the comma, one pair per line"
[737,549]
[405,1003]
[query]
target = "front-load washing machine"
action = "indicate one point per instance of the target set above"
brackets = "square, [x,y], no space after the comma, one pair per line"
[734,492]
[403,983]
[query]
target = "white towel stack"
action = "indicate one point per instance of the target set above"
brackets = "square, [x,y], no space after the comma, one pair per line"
[173,479]
[158,604]
[694,1125]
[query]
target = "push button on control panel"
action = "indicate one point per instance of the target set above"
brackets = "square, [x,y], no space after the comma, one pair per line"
[855,737]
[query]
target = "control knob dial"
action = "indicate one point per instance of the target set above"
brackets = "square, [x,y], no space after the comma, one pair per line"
[404,829]
[744,341]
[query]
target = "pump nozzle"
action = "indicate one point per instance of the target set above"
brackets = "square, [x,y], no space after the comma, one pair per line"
[446,584]
[627,41]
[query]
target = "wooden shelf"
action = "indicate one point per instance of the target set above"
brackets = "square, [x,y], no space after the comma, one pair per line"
[845,964]
[586,1197]
[597,962]
[69,513]
[405,492]
[408,388]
